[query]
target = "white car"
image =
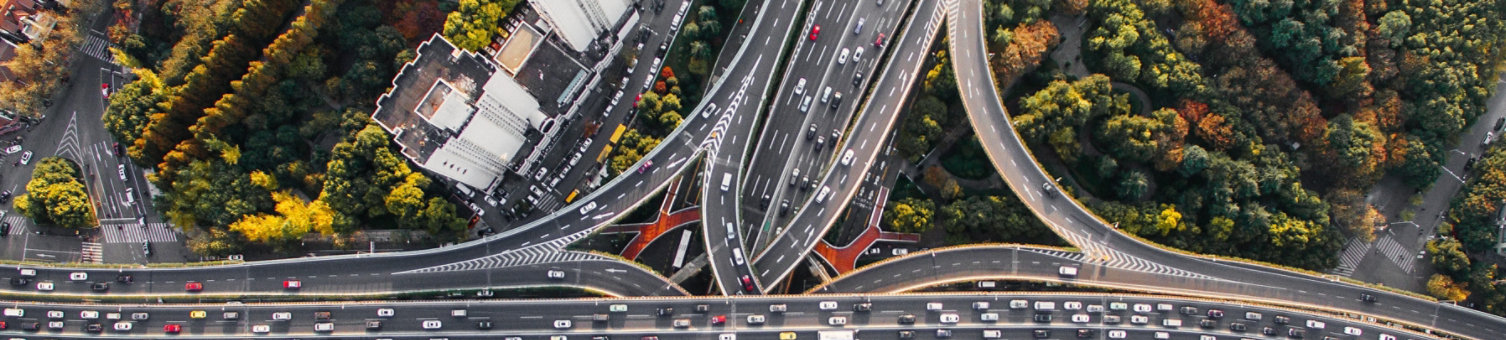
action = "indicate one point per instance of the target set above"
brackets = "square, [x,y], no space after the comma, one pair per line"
[1018,304]
[1315,324]
[588,208]
[386,312]
[261,329]
[123,326]
[1067,271]
[1080,318]
[1117,334]
[15,312]
[800,86]
[836,320]
[1118,306]
[432,324]
[980,305]
[26,158]
[842,58]
[1142,308]
[54,314]
[857,54]
[78,276]
[949,318]
[54,325]
[324,327]
[828,305]
[88,315]
[282,316]
[45,286]
[1072,305]
[140,316]
[1352,331]
[1385,336]
[561,324]
[13,149]
[989,317]
[556,274]
[120,170]
[1095,308]
[933,306]
[756,319]
[1139,319]
[847,158]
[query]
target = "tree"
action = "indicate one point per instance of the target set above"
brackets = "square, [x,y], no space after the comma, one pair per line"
[909,215]
[1442,287]
[473,24]
[1194,160]
[1133,185]
[55,195]
[699,49]
[294,219]
[1395,26]
[1448,256]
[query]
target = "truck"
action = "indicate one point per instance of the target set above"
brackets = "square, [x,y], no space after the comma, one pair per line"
[837,335]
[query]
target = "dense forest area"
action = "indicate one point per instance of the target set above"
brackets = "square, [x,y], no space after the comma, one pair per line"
[255,116]
[1262,124]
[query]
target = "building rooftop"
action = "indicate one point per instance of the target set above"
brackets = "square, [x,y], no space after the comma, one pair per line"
[549,75]
[425,105]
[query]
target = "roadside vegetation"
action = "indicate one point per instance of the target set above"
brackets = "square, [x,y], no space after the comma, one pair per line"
[55,195]
[1465,251]
[41,67]
[254,117]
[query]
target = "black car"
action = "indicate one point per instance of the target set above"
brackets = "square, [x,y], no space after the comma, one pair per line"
[907,319]
[1282,320]
[1042,317]
[1086,333]
[944,333]
[1237,327]
[4,196]
[784,207]
[31,326]
[862,307]
[1207,323]
[124,278]
[1267,330]
[1295,333]
[19,281]
[1500,122]
[1371,298]
[1042,333]
[94,328]
[5,229]
[483,325]
[906,334]
[857,79]
[666,311]
[100,286]
[373,324]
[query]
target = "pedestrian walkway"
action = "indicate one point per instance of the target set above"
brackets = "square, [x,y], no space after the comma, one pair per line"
[663,223]
[92,252]
[96,46]
[134,233]
[1354,251]
[844,258]
[18,224]
[1395,253]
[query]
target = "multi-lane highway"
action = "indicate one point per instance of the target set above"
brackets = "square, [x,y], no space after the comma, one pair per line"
[866,139]
[965,316]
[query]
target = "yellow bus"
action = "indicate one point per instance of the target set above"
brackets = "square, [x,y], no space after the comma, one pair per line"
[571,198]
[618,134]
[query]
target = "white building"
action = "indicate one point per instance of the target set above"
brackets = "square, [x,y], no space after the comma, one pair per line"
[579,22]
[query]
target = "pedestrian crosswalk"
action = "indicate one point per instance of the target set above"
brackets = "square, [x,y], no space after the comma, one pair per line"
[1395,253]
[18,224]
[1354,251]
[93,253]
[96,46]
[134,233]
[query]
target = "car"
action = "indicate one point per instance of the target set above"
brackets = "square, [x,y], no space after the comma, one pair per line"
[990,317]
[665,311]
[718,320]
[800,86]
[140,316]
[25,158]
[906,334]
[193,286]
[432,324]
[120,170]
[841,58]
[100,286]
[1189,310]
[373,324]
[980,305]
[1041,333]
[78,276]
[561,324]
[1117,334]
[815,31]
[12,149]
[1019,304]
[756,319]
[933,306]
[836,321]
[1207,323]
[385,312]
[92,327]
[827,305]
[857,55]
[859,28]
[1086,333]
[1315,324]
[483,324]
[805,104]
[231,315]
[992,334]
[1072,305]
[1371,298]
[125,278]
[1095,309]
[45,286]
[198,314]
[786,335]
[1142,308]
[173,328]
[123,326]
[556,274]
[54,314]
[1268,330]
[1295,333]
[1253,316]
[322,315]
[1352,331]
[261,329]
[1500,123]
[279,316]
[944,333]
[836,100]
[584,210]
[1385,336]
[88,315]
[862,307]
[847,158]
[1080,318]
[681,323]
[949,318]
[907,319]
[1215,314]
[1237,326]
[1139,319]
[5,231]
[784,206]
[458,313]
[292,284]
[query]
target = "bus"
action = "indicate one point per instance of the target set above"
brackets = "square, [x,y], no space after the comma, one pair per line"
[618,134]
[571,198]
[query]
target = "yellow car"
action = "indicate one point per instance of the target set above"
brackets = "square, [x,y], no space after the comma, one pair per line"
[787,336]
[198,314]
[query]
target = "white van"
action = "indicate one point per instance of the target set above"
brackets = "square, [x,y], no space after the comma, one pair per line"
[737,256]
[1172,323]
[1045,306]
[992,334]
[731,231]
[726,181]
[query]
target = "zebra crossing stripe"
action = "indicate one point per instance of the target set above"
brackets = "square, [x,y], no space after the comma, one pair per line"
[1395,253]
[1354,251]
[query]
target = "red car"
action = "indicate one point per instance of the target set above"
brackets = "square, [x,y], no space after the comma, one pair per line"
[104,89]
[193,286]
[747,283]
[815,30]
[172,328]
[880,41]
[292,284]
[637,99]
[718,320]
